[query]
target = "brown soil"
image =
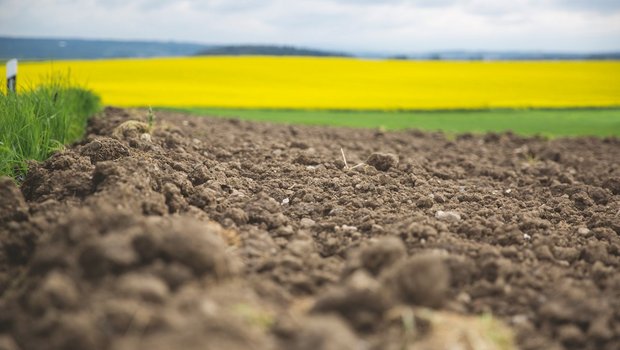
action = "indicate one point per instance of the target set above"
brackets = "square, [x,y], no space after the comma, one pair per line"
[209,233]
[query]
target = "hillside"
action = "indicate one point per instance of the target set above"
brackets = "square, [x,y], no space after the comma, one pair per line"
[30,48]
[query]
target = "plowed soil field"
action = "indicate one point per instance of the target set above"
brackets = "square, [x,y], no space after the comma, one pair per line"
[207,233]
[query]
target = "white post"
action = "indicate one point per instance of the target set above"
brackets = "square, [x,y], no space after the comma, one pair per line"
[11,75]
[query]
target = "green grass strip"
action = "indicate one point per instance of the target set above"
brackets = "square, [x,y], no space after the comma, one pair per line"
[35,122]
[549,123]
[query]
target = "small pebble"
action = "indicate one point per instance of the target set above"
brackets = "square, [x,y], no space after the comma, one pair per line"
[519,319]
[347,228]
[448,215]
[307,223]
[583,230]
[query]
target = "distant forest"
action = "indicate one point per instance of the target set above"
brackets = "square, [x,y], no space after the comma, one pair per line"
[267,50]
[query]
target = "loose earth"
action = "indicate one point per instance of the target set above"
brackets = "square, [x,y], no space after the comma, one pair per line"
[209,233]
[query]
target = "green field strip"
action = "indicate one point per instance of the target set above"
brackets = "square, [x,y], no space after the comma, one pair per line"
[546,122]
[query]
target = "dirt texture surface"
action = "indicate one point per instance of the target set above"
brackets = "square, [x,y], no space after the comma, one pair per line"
[207,233]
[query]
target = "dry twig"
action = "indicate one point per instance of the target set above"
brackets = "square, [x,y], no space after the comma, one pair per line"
[346,166]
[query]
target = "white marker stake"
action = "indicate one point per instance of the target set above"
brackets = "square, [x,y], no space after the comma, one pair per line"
[11,75]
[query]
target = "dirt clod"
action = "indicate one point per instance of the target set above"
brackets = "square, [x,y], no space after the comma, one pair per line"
[13,207]
[104,149]
[382,161]
[420,280]
[382,254]
[323,333]
[130,129]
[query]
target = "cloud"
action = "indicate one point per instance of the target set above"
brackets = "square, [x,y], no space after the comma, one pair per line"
[417,3]
[601,6]
[389,25]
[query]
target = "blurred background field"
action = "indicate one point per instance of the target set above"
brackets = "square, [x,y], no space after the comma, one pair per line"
[455,66]
[549,123]
[552,98]
[341,83]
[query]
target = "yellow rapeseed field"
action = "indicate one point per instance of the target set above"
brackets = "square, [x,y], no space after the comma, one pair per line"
[339,83]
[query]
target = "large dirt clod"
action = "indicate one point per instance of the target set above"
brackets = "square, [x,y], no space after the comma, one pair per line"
[420,280]
[382,161]
[13,207]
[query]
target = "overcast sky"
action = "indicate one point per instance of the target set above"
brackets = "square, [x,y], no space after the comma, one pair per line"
[357,25]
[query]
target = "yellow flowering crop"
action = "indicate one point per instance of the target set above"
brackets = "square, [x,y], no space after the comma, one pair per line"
[340,83]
